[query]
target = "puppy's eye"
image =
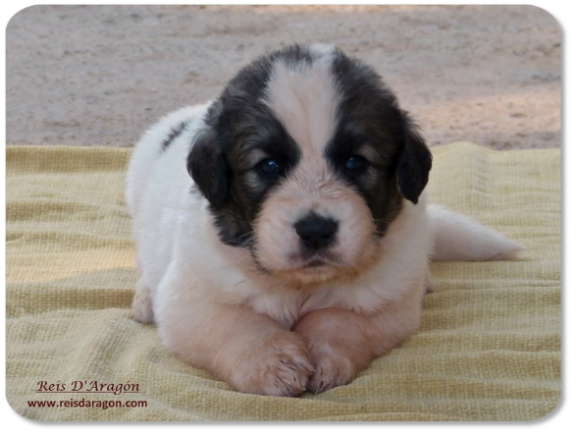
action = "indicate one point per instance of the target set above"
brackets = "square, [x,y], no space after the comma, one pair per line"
[268,166]
[356,163]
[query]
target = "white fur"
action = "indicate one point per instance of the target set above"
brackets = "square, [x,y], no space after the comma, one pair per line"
[177,244]
[305,99]
[174,234]
[202,293]
[458,237]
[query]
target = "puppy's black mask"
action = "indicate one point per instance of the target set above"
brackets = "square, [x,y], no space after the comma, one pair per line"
[239,122]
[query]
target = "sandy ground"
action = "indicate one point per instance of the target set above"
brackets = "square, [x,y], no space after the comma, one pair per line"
[99,75]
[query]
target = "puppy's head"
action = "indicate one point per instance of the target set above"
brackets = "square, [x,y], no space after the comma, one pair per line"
[305,160]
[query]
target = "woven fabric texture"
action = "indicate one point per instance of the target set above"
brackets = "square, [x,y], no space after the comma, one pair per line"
[488,349]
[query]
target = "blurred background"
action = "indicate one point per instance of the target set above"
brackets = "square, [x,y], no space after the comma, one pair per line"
[100,75]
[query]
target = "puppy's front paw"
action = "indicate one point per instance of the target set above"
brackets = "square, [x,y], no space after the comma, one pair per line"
[332,369]
[339,346]
[279,366]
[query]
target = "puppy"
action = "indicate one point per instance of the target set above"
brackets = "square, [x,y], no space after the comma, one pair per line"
[283,236]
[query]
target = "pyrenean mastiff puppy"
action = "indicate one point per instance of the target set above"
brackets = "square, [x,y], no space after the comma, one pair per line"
[283,236]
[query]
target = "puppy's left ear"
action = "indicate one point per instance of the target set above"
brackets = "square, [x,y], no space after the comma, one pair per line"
[414,163]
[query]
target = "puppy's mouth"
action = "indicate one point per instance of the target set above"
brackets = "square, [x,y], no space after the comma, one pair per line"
[313,268]
[306,260]
[305,267]
[316,263]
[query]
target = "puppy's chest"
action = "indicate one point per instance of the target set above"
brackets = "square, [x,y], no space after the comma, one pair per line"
[288,306]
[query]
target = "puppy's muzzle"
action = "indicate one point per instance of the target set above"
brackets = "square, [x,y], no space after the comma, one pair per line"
[316,232]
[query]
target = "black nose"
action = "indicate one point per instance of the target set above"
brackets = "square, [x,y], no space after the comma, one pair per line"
[316,232]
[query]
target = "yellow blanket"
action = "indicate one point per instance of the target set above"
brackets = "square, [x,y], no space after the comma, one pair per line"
[489,347]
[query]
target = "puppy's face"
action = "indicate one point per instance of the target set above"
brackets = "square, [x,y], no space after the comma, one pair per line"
[305,161]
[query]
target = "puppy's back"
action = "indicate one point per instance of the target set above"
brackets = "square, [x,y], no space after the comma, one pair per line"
[157,180]
[162,139]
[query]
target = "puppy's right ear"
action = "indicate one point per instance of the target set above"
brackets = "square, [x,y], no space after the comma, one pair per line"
[207,167]
[415,162]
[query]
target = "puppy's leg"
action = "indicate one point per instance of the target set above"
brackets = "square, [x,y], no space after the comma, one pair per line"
[458,237]
[142,303]
[342,342]
[249,351]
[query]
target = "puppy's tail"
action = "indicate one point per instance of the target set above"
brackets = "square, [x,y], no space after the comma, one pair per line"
[458,237]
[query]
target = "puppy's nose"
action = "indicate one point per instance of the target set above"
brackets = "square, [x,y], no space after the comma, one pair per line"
[316,232]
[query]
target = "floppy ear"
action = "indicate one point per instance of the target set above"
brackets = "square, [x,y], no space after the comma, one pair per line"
[207,167]
[414,163]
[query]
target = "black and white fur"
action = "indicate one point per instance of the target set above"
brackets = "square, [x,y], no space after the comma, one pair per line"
[283,235]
